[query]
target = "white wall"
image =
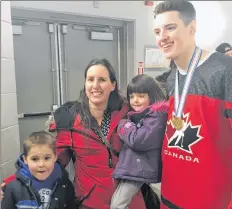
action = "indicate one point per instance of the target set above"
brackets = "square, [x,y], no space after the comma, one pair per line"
[227,34]
[9,142]
[132,10]
[213,23]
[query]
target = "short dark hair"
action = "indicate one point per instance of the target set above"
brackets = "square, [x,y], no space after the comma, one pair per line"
[115,100]
[223,48]
[146,84]
[164,77]
[185,8]
[39,138]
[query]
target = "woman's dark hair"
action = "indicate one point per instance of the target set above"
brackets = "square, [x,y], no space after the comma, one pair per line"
[115,99]
[146,84]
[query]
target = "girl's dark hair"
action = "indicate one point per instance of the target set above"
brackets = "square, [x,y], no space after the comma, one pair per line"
[115,99]
[146,84]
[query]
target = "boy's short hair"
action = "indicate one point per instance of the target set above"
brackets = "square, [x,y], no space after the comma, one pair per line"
[185,8]
[39,138]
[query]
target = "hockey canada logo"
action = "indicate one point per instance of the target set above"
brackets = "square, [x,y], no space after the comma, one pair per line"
[185,138]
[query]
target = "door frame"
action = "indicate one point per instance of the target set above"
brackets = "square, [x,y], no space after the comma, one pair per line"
[126,26]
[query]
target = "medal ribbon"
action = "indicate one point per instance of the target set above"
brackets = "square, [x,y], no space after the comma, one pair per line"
[179,105]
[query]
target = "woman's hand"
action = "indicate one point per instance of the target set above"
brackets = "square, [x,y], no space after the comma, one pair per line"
[1,192]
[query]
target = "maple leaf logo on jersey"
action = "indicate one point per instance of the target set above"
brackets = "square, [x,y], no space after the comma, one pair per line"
[184,139]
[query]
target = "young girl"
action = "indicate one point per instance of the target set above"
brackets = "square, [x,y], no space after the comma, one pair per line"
[142,134]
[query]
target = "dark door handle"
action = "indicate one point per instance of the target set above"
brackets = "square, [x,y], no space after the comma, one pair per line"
[36,114]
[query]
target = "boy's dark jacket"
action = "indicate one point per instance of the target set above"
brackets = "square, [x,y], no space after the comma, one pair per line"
[21,189]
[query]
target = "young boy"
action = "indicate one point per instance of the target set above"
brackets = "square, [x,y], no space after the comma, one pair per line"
[40,183]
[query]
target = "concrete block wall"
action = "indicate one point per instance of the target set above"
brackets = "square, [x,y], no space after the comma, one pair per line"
[9,141]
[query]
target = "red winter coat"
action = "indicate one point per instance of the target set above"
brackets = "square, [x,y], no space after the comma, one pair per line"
[93,176]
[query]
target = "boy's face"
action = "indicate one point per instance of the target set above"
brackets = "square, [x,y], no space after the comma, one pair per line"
[41,161]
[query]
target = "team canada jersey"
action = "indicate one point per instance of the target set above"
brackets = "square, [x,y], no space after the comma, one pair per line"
[197,161]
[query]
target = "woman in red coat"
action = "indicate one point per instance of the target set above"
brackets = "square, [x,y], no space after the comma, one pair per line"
[100,106]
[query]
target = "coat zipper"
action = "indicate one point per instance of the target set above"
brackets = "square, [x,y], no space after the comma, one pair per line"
[110,162]
[33,194]
[53,191]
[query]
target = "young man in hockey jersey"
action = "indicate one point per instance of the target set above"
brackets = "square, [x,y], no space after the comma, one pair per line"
[197,148]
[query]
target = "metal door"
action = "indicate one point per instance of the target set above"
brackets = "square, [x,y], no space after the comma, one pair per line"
[50,60]
[36,73]
[77,50]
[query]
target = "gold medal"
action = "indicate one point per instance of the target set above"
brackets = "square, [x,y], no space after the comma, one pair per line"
[179,99]
[178,123]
